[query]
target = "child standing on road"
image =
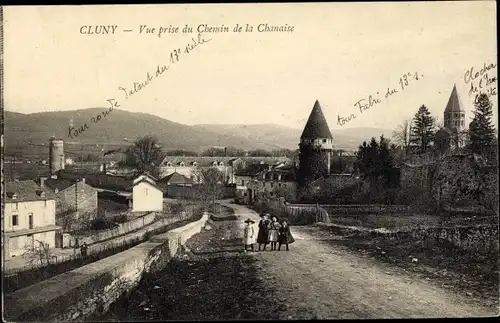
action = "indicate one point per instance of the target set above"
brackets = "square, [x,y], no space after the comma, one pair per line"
[285,237]
[274,227]
[248,235]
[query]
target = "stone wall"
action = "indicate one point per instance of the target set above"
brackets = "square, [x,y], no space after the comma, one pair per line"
[91,289]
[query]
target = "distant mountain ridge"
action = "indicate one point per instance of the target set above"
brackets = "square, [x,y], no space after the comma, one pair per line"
[122,127]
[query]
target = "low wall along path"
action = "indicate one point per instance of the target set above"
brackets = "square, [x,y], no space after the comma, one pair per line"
[93,288]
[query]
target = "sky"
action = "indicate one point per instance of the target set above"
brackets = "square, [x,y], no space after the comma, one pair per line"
[337,53]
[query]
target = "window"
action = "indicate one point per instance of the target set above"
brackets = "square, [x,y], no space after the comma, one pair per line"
[182,164]
[272,184]
[169,164]
[146,191]
[462,122]
[242,183]
[324,140]
[15,221]
[14,206]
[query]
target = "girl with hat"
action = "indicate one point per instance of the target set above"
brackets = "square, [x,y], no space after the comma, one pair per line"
[285,235]
[274,227]
[248,235]
[263,231]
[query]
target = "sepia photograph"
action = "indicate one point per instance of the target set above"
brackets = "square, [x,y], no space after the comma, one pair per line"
[252,161]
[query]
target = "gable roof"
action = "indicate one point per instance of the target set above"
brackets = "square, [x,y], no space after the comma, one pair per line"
[454,103]
[99,180]
[26,191]
[316,126]
[145,180]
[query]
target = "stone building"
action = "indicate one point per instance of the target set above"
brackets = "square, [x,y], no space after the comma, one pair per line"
[264,179]
[72,195]
[316,147]
[454,133]
[29,217]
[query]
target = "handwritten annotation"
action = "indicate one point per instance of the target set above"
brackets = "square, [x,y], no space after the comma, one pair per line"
[480,80]
[376,99]
[174,57]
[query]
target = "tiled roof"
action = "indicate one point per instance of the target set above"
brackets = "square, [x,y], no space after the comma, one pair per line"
[454,103]
[176,178]
[25,191]
[209,161]
[59,183]
[99,180]
[316,126]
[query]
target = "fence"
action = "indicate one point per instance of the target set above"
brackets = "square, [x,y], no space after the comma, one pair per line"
[29,275]
[296,214]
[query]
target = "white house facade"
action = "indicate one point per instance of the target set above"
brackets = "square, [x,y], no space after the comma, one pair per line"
[147,196]
[29,218]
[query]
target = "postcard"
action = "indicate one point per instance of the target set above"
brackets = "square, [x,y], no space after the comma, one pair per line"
[265,161]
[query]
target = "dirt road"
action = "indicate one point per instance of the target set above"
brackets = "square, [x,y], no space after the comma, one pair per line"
[215,280]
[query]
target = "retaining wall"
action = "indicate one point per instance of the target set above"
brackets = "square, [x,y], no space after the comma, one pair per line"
[91,289]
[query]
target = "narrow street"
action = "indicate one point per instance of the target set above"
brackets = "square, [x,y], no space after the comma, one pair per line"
[216,280]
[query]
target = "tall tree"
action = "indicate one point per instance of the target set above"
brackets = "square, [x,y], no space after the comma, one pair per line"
[423,129]
[375,164]
[142,155]
[402,135]
[481,129]
[211,180]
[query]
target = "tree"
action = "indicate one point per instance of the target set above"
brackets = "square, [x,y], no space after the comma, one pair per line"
[402,135]
[209,188]
[423,129]
[481,129]
[142,155]
[40,252]
[375,163]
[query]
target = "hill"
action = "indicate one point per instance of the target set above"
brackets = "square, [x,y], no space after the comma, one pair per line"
[121,127]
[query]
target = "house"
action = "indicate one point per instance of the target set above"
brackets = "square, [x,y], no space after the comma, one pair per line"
[147,196]
[177,185]
[29,216]
[259,179]
[72,194]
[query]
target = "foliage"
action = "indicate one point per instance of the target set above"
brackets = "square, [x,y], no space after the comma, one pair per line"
[181,152]
[423,129]
[375,164]
[142,154]
[211,180]
[481,129]
[40,252]
[402,135]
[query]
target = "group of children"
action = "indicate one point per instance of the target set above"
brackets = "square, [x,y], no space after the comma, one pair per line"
[270,232]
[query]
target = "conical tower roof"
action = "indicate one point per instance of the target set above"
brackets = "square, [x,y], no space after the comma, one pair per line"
[316,126]
[454,104]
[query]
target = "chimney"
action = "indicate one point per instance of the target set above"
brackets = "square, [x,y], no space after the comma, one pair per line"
[225,151]
[83,180]
[42,181]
